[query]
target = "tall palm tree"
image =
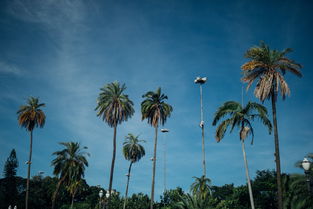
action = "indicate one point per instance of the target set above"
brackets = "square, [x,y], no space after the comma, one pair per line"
[156,111]
[69,165]
[241,117]
[29,117]
[201,187]
[114,107]
[267,67]
[133,151]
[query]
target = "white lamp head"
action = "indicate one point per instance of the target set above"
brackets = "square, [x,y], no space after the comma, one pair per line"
[306,164]
[107,195]
[101,193]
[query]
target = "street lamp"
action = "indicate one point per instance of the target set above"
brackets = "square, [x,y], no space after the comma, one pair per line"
[201,81]
[164,130]
[306,164]
[100,195]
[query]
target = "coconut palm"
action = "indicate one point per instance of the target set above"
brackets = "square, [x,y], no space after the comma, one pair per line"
[114,107]
[69,165]
[29,117]
[267,67]
[133,151]
[156,111]
[201,187]
[241,117]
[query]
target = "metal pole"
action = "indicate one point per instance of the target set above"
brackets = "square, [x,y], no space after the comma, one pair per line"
[202,129]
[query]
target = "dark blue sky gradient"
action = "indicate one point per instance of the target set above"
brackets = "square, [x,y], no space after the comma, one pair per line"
[64,52]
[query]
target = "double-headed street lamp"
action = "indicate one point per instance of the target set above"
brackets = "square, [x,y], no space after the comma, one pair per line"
[306,164]
[201,81]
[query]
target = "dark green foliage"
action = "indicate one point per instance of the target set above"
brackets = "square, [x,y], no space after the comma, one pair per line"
[222,192]
[264,186]
[10,165]
[9,183]
[171,197]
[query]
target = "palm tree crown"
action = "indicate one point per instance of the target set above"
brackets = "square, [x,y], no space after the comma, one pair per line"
[113,106]
[201,187]
[132,150]
[30,115]
[239,117]
[154,108]
[70,162]
[268,67]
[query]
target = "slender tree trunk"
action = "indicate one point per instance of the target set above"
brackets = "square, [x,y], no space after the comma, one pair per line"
[72,203]
[112,164]
[54,196]
[28,170]
[128,177]
[154,164]
[202,132]
[73,197]
[277,156]
[247,173]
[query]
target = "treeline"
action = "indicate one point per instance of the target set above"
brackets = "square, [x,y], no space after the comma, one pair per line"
[227,196]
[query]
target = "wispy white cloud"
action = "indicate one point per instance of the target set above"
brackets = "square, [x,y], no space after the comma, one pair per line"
[7,68]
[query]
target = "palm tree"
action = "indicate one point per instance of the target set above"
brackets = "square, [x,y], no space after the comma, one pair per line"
[156,111]
[133,151]
[29,117]
[72,189]
[194,202]
[69,165]
[114,107]
[201,187]
[240,117]
[267,67]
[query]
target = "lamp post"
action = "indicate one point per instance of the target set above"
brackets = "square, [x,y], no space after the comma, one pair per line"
[100,195]
[306,164]
[201,81]
[163,130]
[107,195]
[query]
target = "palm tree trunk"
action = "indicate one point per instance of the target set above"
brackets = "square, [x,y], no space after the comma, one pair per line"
[54,196]
[112,164]
[247,173]
[73,197]
[154,163]
[72,203]
[28,170]
[128,177]
[277,156]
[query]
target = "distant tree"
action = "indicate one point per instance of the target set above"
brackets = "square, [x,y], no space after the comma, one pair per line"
[222,192]
[264,188]
[156,111]
[29,117]
[267,67]
[201,187]
[69,165]
[10,184]
[170,198]
[133,151]
[10,165]
[114,107]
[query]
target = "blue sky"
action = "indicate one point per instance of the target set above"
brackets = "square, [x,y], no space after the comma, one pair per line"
[64,51]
